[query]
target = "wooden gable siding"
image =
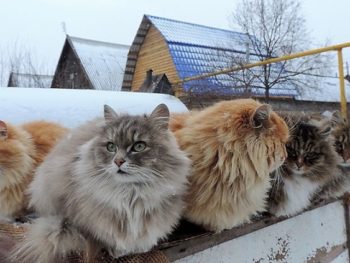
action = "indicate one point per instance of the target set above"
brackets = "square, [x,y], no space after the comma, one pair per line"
[154,54]
[69,73]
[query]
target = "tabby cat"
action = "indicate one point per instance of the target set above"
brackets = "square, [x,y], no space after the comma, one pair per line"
[22,149]
[341,134]
[233,145]
[117,182]
[310,165]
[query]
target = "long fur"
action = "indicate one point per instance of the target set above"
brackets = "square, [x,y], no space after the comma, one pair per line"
[52,238]
[124,213]
[310,166]
[232,158]
[20,153]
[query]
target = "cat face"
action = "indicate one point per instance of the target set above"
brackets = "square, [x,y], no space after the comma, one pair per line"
[133,148]
[341,134]
[10,148]
[342,141]
[308,149]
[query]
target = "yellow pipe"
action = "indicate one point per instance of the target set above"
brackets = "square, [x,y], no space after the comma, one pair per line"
[267,61]
[342,84]
[337,48]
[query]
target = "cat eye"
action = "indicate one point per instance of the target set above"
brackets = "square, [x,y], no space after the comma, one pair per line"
[311,157]
[138,147]
[111,147]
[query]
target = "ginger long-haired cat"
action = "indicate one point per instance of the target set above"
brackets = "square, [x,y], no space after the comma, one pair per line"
[22,149]
[234,145]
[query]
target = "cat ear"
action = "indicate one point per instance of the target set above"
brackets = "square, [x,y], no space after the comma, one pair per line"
[325,130]
[3,130]
[261,116]
[109,113]
[161,115]
[337,119]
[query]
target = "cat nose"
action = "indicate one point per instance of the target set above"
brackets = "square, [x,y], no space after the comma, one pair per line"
[299,164]
[119,162]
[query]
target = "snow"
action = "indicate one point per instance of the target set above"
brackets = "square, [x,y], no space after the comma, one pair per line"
[103,62]
[328,91]
[182,32]
[73,107]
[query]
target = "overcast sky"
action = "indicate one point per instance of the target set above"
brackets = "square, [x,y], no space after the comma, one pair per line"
[38,23]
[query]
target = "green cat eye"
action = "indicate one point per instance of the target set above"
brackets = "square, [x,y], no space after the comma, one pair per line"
[139,146]
[111,147]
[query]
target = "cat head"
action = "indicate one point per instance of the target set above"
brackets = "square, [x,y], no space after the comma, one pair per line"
[16,148]
[341,134]
[3,131]
[310,151]
[136,148]
[256,131]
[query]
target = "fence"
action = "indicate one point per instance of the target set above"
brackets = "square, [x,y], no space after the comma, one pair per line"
[338,48]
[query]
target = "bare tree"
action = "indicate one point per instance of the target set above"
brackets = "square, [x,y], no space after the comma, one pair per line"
[275,28]
[20,58]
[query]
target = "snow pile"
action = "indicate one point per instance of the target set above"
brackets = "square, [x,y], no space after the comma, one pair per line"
[73,107]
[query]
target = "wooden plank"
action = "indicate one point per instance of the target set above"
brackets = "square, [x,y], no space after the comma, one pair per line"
[322,227]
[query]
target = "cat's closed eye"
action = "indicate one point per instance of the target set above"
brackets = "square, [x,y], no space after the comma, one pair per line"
[311,157]
[291,153]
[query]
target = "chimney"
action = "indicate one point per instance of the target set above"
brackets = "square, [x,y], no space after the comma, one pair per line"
[149,77]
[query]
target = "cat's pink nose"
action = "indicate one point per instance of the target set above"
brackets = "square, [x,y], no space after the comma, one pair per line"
[119,162]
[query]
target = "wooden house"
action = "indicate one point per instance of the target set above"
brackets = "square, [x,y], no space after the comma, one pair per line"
[24,80]
[90,64]
[181,50]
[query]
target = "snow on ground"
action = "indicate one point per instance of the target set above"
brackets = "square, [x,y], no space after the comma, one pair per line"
[73,107]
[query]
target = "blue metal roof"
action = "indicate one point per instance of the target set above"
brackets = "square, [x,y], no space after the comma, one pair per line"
[197,49]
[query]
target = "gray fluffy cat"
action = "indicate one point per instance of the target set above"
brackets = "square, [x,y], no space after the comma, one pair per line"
[116,182]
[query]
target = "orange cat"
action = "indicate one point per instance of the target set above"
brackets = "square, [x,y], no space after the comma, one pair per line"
[233,145]
[22,149]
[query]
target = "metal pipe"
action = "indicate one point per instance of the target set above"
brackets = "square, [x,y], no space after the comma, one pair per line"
[337,48]
[264,62]
[342,84]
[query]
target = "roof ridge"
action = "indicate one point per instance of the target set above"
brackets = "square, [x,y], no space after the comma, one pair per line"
[30,74]
[193,24]
[97,41]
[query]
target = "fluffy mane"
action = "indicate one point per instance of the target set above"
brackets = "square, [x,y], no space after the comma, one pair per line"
[233,146]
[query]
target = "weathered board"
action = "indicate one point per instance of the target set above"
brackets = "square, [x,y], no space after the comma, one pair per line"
[317,235]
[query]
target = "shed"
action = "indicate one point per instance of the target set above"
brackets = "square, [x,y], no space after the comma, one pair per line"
[182,50]
[25,80]
[90,64]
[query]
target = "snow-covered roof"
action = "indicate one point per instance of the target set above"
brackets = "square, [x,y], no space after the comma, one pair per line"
[328,90]
[71,107]
[196,50]
[29,80]
[104,63]
[198,35]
